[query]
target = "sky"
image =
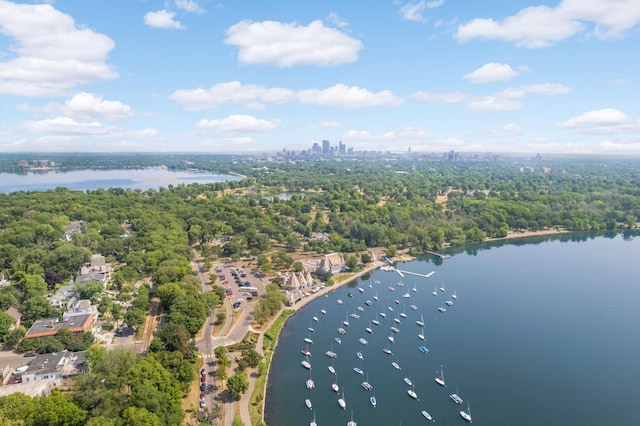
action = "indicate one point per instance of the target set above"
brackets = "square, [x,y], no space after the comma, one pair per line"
[216,76]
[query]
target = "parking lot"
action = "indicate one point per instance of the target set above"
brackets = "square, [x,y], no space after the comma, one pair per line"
[242,286]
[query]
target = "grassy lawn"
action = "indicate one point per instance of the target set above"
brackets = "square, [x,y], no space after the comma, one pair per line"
[191,401]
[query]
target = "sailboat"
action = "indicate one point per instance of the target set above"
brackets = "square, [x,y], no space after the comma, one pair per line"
[313,422]
[391,339]
[412,393]
[310,383]
[440,379]
[376,296]
[426,415]
[334,385]
[308,404]
[351,422]
[408,381]
[421,322]
[454,295]
[466,414]
[434,292]
[369,330]
[341,402]
[455,397]
[373,400]
[421,335]
[346,321]
[442,288]
[403,314]
[375,321]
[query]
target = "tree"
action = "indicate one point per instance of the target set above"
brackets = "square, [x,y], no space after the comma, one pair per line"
[237,384]
[298,267]
[57,409]
[365,258]
[221,317]
[352,262]
[6,322]
[134,317]
[252,357]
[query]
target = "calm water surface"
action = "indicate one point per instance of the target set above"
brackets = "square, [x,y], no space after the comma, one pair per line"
[142,179]
[543,333]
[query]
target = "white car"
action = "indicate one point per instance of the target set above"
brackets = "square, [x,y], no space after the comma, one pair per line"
[203,403]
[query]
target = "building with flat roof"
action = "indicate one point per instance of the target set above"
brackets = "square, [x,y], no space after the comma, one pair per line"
[77,325]
[39,388]
[57,366]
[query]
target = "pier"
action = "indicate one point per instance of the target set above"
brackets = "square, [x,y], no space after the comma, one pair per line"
[401,272]
[441,256]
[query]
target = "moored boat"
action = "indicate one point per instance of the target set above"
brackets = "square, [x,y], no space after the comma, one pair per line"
[306,352]
[440,379]
[466,415]
[306,364]
[427,415]
[308,340]
[308,404]
[331,354]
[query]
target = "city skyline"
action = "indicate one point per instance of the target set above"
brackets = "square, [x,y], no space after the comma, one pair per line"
[429,76]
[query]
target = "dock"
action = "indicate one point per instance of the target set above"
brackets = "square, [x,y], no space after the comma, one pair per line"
[441,256]
[401,272]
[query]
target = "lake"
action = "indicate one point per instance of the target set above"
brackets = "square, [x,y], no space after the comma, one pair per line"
[143,179]
[543,332]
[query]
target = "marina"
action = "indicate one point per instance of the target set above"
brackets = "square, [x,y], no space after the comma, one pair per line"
[451,338]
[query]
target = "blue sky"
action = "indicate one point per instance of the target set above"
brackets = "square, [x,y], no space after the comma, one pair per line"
[253,76]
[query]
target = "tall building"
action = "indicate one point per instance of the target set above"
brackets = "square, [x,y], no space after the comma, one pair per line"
[342,149]
[326,147]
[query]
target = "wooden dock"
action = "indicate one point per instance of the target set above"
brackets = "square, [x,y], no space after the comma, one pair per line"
[441,256]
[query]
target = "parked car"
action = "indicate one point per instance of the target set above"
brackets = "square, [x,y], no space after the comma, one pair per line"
[203,402]
[203,387]
[203,378]
[203,371]
[30,353]
[249,298]
[236,305]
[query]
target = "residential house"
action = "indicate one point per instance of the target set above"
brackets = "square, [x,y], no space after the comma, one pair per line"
[62,297]
[72,228]
[15,315]
[79,307]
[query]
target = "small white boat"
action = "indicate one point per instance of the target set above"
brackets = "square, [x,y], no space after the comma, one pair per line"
[313,422]
[360,309]
[335,387]
[308,403]
[395,365]
[434,292]
[396,320]
[306,364]
[339,301]
[310,384]
[367,386]
[400,284]
[307,340]
[359,355]
[387,351]
[421,321]
[346,323]
[376,296]
[421,335]
[427,415]
[440,378]
[331,354]
[454,295]
[369,330]
[403,315]
[306,352]
[383,315]
[415,290]
[315,319]
[408,381]
[406,295]
[448,303]
[413,307]
[394,329]
[311,329]
[412,394]
[391,339]
[332,369]
[341,330]
[368,302]
[337,339]
[390,308]
[442,309]
[396,301]
[361,290]
[358,370]
[362,341]
[455,398]
[351,422]
[341,402]
[391,288]
[466,414]
[323,312]
[376,282]
[373,401]
[376,322]
[442,288]
[370,286]
[355,316]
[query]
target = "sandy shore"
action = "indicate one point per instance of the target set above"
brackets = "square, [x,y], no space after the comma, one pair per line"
[523,234]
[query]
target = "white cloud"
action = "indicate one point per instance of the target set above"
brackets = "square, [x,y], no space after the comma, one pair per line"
[329,124]
[491,72]
[84,106]
[413,11]
[440,98]
[286,45]
[603,121]
[67,126]
[510,129]
[190,6]
[239,123]
[549,89]
[162,19]
[493,104]
[406,134]
[542,26]
[52,53]
[336,20]
[232,92]
[342,96]
[609,146]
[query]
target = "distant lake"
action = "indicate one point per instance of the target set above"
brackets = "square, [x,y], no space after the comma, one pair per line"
[543,332]
[142,179]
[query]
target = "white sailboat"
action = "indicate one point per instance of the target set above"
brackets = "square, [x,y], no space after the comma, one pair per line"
[442,288]
[346,321]
[351,422]
[466,414]
[454,295]
[415,290]
[376,296]
[308,404]
[434,292]
[412,393]
[421,322]
[313,422]
[421,335]
[455,397]
[440,379]
[310,384]
[426,415]
[334,385]
[341,402]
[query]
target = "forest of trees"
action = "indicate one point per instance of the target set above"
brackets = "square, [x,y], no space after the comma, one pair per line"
[415,205]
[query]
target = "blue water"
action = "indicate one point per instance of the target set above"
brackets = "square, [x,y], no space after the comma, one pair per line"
[142,179]
[540,334]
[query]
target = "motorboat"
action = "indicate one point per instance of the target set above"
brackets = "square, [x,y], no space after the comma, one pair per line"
[331,354]
[423,349]
[306,364]
[351,422]
[306,352]
[394,329]
[332,369]
[355,316]
[373,401]
[413,307]
[363,341]
[440,378]
[358,370]
[442,309]
[376,322]
[308,403]
[391,288]
[341,330]
[455,397]
[367,386]
[339,301]
[337,339]
[448,303]
[335,387]
[308,340]
[368,302]
[359,355]
[412,394]
[400,284]
[310,384]
[360,309]
[406,295]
